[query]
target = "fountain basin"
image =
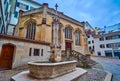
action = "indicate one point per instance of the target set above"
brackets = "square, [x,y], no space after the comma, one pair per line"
[50,70]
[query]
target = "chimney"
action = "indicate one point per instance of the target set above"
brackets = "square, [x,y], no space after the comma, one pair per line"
[45,4]
[21,12]
[45,7]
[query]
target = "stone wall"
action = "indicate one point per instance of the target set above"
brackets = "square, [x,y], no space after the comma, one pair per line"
[51,70]
[21,51]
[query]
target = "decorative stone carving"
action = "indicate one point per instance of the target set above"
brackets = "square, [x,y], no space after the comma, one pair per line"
[56,43]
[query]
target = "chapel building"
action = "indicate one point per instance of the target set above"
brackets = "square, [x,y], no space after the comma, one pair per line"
[33,36]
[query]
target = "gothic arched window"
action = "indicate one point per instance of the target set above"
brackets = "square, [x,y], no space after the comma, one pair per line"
[68,33]
[77,37]
[31,28]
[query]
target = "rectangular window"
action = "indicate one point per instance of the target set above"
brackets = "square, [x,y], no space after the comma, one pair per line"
[93,48]
[101,39]
[119,36]
[108,45]
[41,52]
[0,25]
[5,1]
[92,41]
[108,53]
[88,36]
[99,53]
[77,38]
[89,48]
[0,21]
[23,6]
[30,51]
[17,4]
[2,30]
[113,45]
[27,7]
[117,53]
[106,38]
[31,8]
[112,37]
[16,14]
[10,14]
[36,52]
[102,46]
[115,37]
[44,21]
[68,33]
[89,42]
[6,9]
[6,16]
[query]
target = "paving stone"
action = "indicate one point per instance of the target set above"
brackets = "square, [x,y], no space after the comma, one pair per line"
[97,73]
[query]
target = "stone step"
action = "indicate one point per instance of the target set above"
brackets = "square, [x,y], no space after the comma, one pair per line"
[76,75]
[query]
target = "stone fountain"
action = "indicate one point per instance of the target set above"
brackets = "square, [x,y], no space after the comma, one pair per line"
[55,69]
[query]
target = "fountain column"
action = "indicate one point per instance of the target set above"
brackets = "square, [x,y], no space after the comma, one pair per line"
[55,45]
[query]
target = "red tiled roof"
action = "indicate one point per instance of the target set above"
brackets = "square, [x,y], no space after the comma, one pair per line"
[89,31]
[24,39]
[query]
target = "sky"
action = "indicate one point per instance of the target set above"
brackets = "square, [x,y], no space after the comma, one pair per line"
[98,13]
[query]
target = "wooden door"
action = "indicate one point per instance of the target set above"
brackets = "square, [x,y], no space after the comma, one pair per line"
[68,46]
[6,56]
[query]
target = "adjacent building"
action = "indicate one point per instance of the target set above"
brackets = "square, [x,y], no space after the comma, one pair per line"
[24,5]
[108,44]
[6,9]
[104,41]
[90,32]
[1,19]
[109,29]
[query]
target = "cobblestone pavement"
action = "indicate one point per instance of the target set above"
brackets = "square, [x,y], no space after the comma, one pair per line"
[7,74]
[96,73]
[110,64]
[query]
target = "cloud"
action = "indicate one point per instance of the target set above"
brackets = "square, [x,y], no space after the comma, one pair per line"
[85,16]
[98,13]
[89,4]
[116,12]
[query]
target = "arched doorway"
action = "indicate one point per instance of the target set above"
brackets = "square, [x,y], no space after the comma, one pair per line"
[6,56]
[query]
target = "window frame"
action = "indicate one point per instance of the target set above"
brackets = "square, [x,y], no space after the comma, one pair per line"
[101,39]
[36,52]
[102,46]
[18,4]
[15,14]
[30,52]
[89,42]
[27,7]
[31,30]
[42,52]
[99,53]
[77,38]
[68,33]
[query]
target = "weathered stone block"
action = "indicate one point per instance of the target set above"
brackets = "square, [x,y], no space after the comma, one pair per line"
[51,70]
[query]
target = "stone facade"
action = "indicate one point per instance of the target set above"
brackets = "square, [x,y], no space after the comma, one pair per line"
[43,18]
[22,49]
